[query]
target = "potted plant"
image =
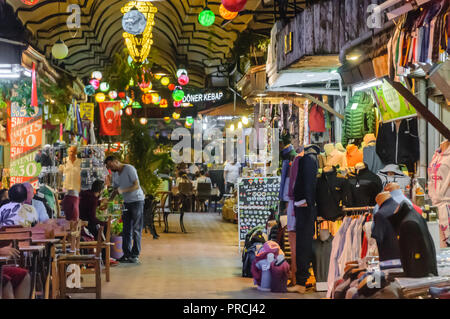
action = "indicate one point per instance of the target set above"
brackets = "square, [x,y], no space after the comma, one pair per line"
[116,238]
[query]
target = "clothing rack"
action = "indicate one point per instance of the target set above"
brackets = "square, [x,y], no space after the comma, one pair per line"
[355,209]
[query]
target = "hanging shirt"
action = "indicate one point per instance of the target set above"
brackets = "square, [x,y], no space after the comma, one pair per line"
[72,175]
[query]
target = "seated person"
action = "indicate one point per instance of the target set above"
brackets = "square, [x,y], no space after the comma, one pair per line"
[16,281]
[4,197]
[89,201]
[180,198]
[202,178]
[15,212]
[38,205]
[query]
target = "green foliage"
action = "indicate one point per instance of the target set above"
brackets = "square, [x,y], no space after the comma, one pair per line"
[59,93]
[120,72]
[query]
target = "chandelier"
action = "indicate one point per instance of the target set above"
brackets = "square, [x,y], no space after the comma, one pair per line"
[138,22]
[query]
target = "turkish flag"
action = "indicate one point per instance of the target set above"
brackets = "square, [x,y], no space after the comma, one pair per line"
[110,121]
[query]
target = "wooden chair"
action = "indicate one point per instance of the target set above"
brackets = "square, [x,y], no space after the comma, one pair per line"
[160,207]
[186,193]
[68,259]
[203,194]
[105,244]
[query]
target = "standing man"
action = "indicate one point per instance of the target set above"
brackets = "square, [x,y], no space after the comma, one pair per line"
[126,182]
[231,174]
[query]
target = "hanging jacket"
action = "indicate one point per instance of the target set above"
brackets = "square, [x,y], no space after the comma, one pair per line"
[417,251]
[332,192]
[370,156]
[354,155]
[399,177]
[439,177]
[316,119]
[293,176]
[286,154]
[364,187]
[306,179]
[359,118]
[400,147]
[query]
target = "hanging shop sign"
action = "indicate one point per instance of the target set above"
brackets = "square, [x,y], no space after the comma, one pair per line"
[392,105]
[87,110]
[256,196]
[203,97]
[25,137]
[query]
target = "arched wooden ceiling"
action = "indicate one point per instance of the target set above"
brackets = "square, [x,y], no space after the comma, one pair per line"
[177,35]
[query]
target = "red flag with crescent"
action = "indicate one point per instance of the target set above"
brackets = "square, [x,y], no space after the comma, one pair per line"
[110,120]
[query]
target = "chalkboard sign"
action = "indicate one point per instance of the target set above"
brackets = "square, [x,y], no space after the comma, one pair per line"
[255,198]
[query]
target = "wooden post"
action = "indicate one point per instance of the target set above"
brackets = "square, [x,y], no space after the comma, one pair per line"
[420,108]
[324,106]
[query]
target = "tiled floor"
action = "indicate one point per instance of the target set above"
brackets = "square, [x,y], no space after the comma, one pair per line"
[204,263]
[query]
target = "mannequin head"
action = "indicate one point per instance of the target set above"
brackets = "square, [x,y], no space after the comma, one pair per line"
[72,152]
[391,187]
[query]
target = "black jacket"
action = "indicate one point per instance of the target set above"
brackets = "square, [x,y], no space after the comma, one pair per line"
[332,192]
[364,187]
[384,232]
[399,148]
[306,181]
[417,251]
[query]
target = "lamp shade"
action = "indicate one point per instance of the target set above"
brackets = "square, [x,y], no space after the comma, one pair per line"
[183,79]
[100,97]
[145,86]
[176,115]
[128,111]
[178,95]
[227,14]
[97,75]
[122,95]
[136,105]
[234,5]
[104,86]
[112,95]
[163,103]
[165,81]
[155,98]
[167,119]
[189,120]
[95,83]
[60,50]
[147,98]
[171,86]
[143,120]
[89,89]
[181,71]
[206,18]
[176,103]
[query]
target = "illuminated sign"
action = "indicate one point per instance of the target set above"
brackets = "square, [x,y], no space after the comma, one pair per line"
[203,97]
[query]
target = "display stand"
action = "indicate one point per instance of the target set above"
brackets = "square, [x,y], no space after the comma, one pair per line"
[92,167]
[256,196]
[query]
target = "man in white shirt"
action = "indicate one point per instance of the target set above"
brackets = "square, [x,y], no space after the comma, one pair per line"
[231,174]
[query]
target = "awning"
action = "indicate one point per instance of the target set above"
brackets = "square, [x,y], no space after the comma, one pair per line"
[242,109]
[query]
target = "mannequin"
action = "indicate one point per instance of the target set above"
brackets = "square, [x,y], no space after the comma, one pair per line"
[382,197]
[72,184]
[417,251]
[382,231]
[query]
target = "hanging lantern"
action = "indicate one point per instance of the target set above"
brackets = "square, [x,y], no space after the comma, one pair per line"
[189,120]
[97,75]
[178,95]
[176,115]
[143,120]
[227,14]
[104,86]
[183,79]
[176,103]
[240,125]
[171,86]
[165,81]
[147,98]
[130,60]
[128,111]
[158,100]
[122,105]
[163,103]
[145,86]
[206,18]
[136,105]
[155,98]
[180,72]
[95,83]
[112,95]
[122,95]
[121,112]
[100,97]
[167,120]
[234,5]
[138,22]
[245,120]
[60,50]
[30,2]
[89,90]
